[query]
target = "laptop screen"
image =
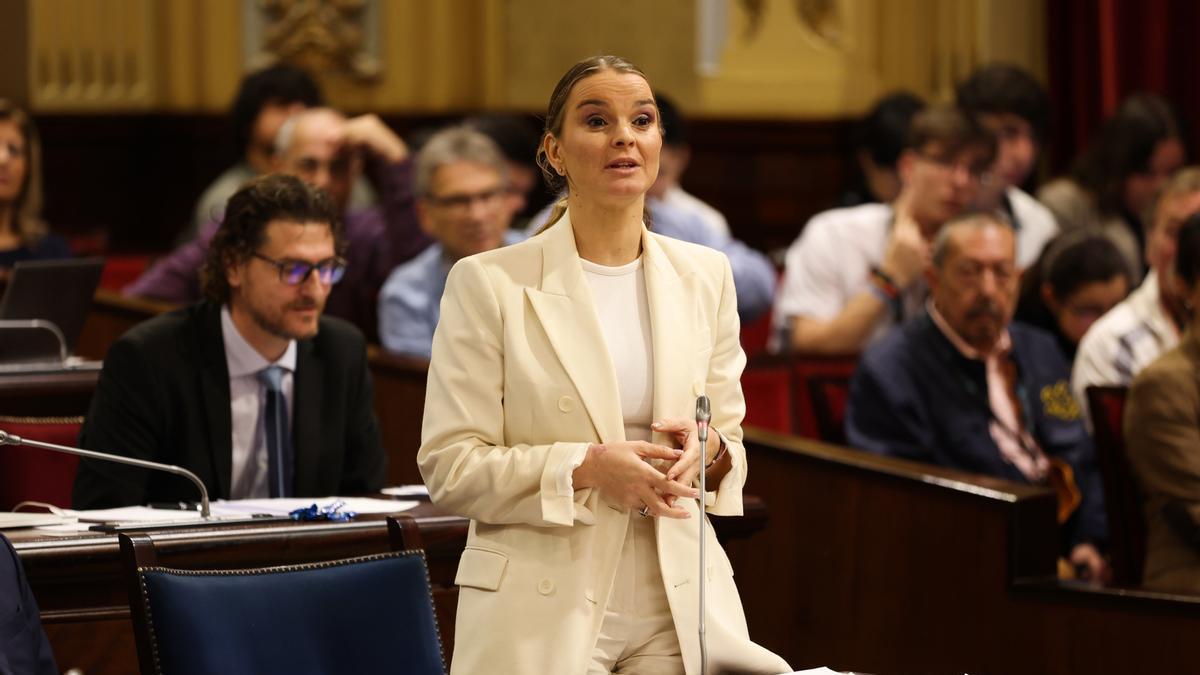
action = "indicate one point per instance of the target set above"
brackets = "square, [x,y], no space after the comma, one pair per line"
[59,291]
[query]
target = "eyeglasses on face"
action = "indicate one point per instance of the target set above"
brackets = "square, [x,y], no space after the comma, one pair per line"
[295,272]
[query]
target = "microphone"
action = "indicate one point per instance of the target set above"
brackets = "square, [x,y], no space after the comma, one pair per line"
[205,514]
[703,416]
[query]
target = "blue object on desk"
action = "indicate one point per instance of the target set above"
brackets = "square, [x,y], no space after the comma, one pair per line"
[331,512]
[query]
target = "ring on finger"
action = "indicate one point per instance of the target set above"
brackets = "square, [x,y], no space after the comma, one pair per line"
[645,511]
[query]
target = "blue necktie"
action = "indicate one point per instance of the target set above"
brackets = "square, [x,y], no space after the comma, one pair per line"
[279,442]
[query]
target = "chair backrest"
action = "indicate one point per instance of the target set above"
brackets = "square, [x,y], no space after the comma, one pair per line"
[371,614]
[768,392]
[1122,497]
[807,419]
[30,474]
[830,395]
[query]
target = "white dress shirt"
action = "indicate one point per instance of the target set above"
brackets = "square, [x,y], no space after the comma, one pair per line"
[247,401]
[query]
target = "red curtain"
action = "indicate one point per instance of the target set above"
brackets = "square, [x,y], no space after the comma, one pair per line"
[1103,50]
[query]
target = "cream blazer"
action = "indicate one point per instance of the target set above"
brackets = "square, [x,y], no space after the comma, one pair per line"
[520,376]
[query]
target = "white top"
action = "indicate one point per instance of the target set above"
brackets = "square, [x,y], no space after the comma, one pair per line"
[677,198]
[1123,341]
[1035,225]
[247,403]
[619,294]
[830,263]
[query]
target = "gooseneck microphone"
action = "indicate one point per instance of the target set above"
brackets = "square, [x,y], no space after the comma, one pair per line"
[703,415]
[12,439]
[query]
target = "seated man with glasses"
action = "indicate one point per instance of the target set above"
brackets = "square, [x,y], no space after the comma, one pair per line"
[855,272]
[460,183]
[251,389]
[963,387]
[328,151]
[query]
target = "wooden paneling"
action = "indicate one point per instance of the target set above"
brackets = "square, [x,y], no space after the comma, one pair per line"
[880,565]
[135,178]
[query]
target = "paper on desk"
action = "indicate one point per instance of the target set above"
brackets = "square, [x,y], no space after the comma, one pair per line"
[406,491]
[282,507]
[132,514]
[239,508]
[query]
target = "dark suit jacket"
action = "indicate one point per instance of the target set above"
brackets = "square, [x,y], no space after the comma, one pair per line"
[1162,439]
[24,649]
[915,396]
[164,396]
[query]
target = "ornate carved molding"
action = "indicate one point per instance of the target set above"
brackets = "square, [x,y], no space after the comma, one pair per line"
[339,36]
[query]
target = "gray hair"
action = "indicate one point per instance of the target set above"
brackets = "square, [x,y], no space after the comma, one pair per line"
[976,219]
[287,131]
[451,145]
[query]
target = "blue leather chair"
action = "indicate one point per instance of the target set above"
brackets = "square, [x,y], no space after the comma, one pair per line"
[371,614]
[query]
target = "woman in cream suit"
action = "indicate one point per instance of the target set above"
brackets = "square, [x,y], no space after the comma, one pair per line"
[564,372]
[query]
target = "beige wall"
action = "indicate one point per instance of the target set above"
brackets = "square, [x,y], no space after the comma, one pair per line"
[782,58]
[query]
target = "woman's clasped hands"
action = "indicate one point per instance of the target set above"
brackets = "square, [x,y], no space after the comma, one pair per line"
[644,476]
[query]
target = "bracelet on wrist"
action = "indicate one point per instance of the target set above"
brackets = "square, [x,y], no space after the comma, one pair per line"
[720,451]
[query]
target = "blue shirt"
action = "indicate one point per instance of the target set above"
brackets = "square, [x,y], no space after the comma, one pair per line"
[753,275]
[410,301]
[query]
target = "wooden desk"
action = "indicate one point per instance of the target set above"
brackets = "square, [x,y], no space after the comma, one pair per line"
[64,393]
[82,595]
[887,566]
[111,315]
[81,592]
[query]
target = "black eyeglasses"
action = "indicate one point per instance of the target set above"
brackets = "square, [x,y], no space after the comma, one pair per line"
[295,272]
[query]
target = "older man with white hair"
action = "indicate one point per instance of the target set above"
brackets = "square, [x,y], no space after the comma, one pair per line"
[962,386]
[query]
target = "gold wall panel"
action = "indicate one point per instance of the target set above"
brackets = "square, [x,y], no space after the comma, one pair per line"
[780,58]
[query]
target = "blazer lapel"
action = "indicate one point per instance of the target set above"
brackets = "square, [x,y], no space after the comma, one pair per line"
[673,322]
[563,305]
[214,392]
[306,425]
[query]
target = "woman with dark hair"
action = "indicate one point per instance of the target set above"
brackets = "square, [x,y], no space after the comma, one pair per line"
[23,233]
[1113,183]
[559,416]
[1076,280]
[1162,437]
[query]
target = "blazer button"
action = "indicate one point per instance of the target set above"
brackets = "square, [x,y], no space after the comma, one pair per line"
[566,404]
[545,587]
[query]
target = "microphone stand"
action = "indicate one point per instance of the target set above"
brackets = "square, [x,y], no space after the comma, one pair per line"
[703,415]
[205,514]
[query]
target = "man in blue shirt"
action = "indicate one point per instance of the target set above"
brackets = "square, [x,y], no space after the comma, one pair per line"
[963,387]
[460,177]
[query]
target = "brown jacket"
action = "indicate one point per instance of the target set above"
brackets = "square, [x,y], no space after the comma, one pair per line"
[1162,433]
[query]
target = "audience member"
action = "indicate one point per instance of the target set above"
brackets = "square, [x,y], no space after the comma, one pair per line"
[673,162]
[963,387]
[1162,431]
[517,137]
[24,649]
[855,272]
[328,151]
[212,387]
[1076,280]
[461,190]
[878,139]
[1010,103]
[1114,182]
[264,101]
[1148,322]
[23,234]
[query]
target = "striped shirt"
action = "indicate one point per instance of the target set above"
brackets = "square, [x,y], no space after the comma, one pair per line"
[1124,341]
